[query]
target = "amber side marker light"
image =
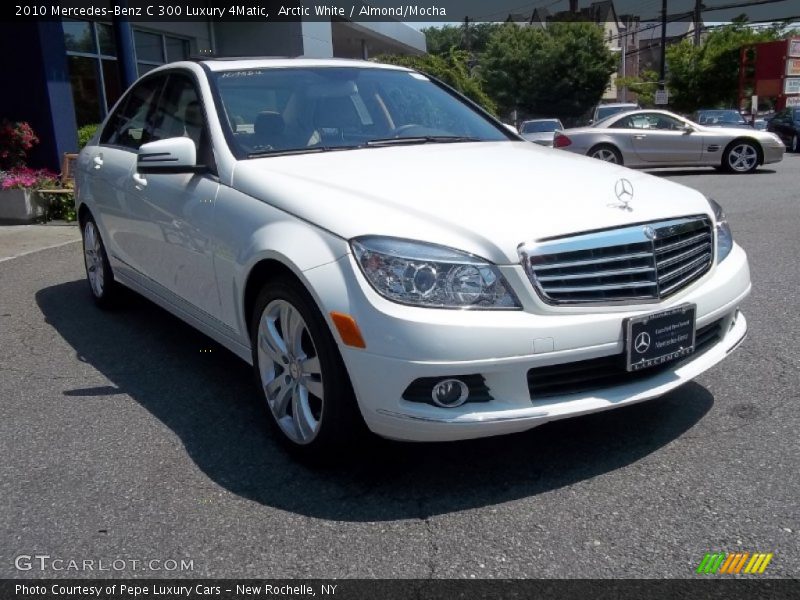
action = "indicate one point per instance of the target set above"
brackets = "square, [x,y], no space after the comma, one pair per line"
[348,330]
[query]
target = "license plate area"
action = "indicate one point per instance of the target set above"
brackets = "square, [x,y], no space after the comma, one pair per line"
[658,338]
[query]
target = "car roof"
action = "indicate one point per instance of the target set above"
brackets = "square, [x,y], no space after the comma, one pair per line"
[616,104]
[272,62]
[540,120]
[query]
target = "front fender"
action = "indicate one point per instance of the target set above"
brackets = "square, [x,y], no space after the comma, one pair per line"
[252,231]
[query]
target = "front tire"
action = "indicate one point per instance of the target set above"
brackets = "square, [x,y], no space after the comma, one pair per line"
[301,375]
[606,153]
[99,275]
[741,157]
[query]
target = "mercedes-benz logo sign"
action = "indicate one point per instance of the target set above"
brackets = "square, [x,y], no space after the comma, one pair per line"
[649,232]
[642,342]
[623,189]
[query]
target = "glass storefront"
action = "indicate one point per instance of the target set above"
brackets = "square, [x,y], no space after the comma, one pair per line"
[93,73]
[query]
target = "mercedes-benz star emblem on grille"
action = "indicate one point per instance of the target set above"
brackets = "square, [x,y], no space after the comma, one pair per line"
[649,232]
[642,342]
[623,189]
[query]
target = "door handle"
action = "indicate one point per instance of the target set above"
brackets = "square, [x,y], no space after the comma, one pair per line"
[140,181]
[640,136]
[98,161]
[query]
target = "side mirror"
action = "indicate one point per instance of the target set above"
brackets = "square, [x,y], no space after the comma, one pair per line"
[591,121]
[172,155]
[687,129]
[511,128]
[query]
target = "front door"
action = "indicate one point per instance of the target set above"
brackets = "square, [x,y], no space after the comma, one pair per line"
[661,139]
[176,210]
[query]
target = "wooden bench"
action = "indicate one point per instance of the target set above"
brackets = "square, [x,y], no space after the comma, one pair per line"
[66,181]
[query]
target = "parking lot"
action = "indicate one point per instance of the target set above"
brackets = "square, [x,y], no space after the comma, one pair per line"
[129,436]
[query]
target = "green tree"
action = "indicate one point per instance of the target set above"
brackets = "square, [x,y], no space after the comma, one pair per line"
[559,71]
[451,68]
[441,40]
[644,86]
[707,76]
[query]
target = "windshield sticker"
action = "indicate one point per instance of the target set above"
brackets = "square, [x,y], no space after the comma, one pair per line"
[241,73]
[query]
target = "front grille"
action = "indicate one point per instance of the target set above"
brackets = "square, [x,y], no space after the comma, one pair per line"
[640,263]
[607,371]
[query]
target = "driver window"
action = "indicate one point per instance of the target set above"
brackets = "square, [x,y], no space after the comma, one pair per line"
[180,114]
[129,125]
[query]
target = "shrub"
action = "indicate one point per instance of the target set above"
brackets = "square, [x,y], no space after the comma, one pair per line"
[16,138]
[23,178]
[85,133]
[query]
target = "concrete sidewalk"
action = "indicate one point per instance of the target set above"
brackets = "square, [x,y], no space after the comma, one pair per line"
[18,240]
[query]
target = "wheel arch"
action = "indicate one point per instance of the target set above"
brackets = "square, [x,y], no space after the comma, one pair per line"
[604,143]
[744,138]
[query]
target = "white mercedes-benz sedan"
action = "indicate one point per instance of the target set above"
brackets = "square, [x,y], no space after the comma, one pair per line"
[358,233]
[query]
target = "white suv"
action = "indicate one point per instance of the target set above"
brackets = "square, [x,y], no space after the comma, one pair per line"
[358,233]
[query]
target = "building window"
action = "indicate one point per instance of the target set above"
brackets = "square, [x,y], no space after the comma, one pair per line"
[92,60]
[154,49]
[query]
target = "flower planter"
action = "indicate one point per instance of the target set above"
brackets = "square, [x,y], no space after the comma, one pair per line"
[20,206]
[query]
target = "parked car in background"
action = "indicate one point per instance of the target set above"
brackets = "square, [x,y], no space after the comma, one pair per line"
[720,118]
[603,111]
[786,125]
[313,217]
[540,131]
[658,138]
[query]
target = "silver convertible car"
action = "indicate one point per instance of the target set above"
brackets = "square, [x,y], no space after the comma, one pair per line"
[658,138]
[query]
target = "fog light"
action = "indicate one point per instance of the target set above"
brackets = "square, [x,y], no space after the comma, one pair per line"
[450,393]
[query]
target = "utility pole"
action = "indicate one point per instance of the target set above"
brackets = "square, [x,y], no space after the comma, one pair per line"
[698,5]
[663,72]
[467,41]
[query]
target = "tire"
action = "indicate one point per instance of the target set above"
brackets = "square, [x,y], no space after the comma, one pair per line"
[606,153]
[303,382]
[741,157]
[99,276]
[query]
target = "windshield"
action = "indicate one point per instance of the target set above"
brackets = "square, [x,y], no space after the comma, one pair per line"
[280,110]
[603,112]
[540,126]
[716,117]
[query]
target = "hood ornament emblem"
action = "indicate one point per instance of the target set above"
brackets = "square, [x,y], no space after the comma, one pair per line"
[623,190]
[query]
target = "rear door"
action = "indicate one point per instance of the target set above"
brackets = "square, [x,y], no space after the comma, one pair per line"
[110,165]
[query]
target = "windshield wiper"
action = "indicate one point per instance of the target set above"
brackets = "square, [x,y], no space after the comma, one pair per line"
[311,150]
[261,153]
[423,139]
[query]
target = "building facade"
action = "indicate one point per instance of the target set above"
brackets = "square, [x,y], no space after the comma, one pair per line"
[64,74]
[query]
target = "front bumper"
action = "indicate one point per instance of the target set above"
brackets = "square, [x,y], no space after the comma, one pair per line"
[773,153]
[407,343]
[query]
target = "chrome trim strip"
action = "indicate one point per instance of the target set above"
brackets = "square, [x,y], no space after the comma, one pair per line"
[630,271]
[683,255]
[459,420]
[580,263]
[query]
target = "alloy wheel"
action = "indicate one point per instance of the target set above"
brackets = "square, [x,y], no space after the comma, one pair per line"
[742,158]
[605,154]
[290,371]
[93,255]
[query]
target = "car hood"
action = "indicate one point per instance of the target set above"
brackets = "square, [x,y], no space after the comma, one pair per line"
[485,198]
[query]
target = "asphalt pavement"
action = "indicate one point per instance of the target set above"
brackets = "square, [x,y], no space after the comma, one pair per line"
[127,436]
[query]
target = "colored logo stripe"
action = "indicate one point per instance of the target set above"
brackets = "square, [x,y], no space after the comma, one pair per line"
[725,563]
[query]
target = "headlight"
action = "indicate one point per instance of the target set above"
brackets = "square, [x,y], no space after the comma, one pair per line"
[724,235]
[432,276]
